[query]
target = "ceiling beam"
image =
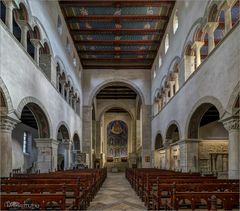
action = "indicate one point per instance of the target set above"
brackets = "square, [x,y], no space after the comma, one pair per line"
[117,42]
[109,18]
[118,67]
[116,52]
[115,3]
[116,60]
[116,31]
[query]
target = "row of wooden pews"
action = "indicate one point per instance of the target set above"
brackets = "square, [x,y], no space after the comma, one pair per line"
[61,190]
[169,190]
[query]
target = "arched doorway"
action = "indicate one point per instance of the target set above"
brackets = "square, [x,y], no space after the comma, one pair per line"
[211,152]
[114,99]
[173,151]
[158,156]
[34,125]
[64,148]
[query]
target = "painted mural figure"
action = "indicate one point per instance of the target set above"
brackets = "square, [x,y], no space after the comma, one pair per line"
[117,138]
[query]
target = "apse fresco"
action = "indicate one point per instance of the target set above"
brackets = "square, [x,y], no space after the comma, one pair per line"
[117,139]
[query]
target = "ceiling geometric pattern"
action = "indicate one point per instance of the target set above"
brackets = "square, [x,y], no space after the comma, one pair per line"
[117,34]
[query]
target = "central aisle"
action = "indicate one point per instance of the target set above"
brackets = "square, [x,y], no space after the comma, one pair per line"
[116,194]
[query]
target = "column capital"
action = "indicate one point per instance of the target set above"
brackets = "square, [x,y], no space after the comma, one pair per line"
[231,123]
[210,27]
[10,4]
[23,24]
[197,44]
[36,43]
[228,4]
[8,123]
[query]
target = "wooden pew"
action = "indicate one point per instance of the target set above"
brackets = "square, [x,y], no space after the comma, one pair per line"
[33,201]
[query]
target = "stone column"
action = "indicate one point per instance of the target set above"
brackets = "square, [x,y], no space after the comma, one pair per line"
[24,29]
[146,135]
[9,15]
[87,132]
[67,88]
[175,77]
[63,87]
[166,94]
[232,125]
[7,124]
[67,154]
[36,44]
[197,45]
[160,104]
[98,139]
[228,15]
[47,154]
[171,84]
[225,162]
[210,28]
[188,65]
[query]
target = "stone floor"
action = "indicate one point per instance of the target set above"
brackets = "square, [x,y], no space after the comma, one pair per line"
[116,194]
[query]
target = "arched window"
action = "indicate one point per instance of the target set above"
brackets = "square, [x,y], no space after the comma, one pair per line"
[235,13]
[175,22]
[2,12]
[59,25]
[166,43]
[159,61]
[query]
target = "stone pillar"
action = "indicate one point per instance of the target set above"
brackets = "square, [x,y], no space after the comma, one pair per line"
[189,155]
[197,45]
[146,135]
[175,77]
[67,154]
[98,139]
[160,104]
[24,29]
[171,84]
[9,15]
[36,44]
[210,28]
[228,15]
[67,88]
[188,66]
[166,94]
[225,162]
[232,125]
[7,124]
[63,87]
[47,154]
[87,132]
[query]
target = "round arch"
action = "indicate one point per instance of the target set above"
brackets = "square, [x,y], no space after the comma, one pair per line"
[175,61]
[205,100]
[40,113]
[158,141]
[6,96]
[108,107]
[106,83]
[232,99]
[173,131]
[65,130]
[76,141]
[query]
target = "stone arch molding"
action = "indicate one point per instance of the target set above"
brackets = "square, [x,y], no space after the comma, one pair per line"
[28,100]
[232,99]
[173,122]
[208,99]
[106,108]
[106,83]
[155,137]
[7,97]
[65,125]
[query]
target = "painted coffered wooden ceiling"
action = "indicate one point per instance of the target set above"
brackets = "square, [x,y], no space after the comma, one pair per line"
[117,34]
